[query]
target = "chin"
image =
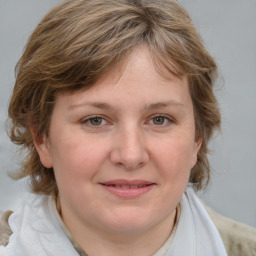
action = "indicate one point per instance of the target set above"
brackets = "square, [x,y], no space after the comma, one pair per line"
[130,222]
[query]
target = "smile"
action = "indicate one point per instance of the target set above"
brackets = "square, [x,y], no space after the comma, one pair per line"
[128,186]
[128,189]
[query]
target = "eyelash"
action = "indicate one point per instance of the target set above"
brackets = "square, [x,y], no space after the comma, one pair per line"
[87,121]
[167,120]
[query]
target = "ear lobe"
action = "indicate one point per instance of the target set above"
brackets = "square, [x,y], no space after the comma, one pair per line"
[197,147]
[198,144]
[41,144]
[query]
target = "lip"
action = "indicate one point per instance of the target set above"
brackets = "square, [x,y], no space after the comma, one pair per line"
[128,188]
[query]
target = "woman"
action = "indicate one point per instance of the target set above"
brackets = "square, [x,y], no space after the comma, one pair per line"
[114,104]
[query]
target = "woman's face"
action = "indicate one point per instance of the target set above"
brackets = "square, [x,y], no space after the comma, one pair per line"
[123,149]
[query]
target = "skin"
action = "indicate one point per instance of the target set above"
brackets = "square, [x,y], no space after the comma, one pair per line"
[144,130]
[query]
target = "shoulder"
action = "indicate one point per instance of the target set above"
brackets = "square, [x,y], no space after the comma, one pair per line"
[5,230]
[239,239]
[30,201]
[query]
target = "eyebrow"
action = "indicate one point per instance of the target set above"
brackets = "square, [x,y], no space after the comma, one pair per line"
[99,105]
[106,106]
[164,104]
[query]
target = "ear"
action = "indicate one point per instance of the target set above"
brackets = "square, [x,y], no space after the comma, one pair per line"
[41,144]
[197,146]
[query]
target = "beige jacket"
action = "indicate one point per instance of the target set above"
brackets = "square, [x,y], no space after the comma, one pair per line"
[239,239]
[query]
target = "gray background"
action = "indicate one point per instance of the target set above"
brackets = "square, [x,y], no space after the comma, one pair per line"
[228,28]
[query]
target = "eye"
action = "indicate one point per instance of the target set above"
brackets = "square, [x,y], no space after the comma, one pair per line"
[161,120]
[95,121]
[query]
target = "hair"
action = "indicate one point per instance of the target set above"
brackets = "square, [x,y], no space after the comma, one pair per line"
[79,40]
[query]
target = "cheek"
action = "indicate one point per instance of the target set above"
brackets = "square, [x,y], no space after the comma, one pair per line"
[73,172]
[175,159]
[77,159]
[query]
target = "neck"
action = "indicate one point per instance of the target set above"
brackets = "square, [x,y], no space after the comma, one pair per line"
[95,241]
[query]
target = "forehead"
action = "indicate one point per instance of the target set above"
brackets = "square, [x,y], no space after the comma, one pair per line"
[135,82]
[144,59]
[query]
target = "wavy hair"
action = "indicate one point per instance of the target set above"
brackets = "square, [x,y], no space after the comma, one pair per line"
[79,40]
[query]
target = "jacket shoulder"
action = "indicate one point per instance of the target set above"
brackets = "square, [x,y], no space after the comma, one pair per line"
[239,239]
[5,230]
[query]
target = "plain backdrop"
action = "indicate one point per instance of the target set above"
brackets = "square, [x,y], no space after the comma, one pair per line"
[228,28]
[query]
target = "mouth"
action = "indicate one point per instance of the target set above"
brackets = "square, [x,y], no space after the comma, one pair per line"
[128,189]
[127,186]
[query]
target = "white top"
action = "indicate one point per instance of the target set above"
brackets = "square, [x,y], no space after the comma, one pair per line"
[38,231]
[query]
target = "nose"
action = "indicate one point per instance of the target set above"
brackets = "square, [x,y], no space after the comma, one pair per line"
[129,149]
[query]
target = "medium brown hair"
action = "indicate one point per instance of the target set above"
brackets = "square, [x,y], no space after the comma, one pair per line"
[79,40]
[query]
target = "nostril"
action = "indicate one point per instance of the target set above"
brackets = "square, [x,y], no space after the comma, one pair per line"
[129,162]
[129,149]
